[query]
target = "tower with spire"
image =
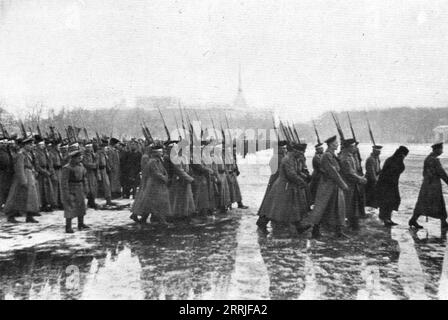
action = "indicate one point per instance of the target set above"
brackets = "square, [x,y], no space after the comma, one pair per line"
[240,101]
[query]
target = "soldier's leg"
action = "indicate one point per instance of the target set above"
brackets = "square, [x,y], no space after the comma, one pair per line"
[106,188]
[413,221]
[68,225]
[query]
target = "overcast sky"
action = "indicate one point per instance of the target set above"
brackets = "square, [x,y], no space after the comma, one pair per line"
[302,56]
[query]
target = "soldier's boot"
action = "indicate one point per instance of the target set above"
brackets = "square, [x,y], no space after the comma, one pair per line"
[81,225]
[109,202]
[340,234]
[302,227]
[68,226]
[91,202]
[12,219]
[30,219]
[134,217]
[413,223]
[262,222]
[315,233]
[242,206]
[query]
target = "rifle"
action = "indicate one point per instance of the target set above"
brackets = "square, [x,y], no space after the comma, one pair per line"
[317,133]
[296,133]
[4,132]
[164,124]
[39,132]
[358,154]
[86,134]
[177,127]
[370,131]
[338,126]
[148,133]
[22,128]
[285,132]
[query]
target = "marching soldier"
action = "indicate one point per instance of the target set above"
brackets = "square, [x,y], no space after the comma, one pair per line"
[45,173]
[6,169]
[287,201]
[73,180]
[56,159]
[179,185]
[154,197]
[387,188]
[23,196]
[274,164]
[130,170]
[103,171]
[90,163]
[373,168]
[430,200]
[114,175]
[329,206]
[351,176]
[315,177]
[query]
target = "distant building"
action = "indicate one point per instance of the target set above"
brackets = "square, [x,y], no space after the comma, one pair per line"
[441,133]
[240,102]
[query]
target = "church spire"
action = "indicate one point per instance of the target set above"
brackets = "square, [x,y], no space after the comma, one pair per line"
[240,101]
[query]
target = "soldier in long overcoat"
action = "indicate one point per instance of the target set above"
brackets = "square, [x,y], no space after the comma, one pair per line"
[6,170]
[130,166]
[354,181]
[56,160]
[103,172]
[154,198]
[73,182]
[179,185]
[329,207]
[315,176]
[114,174]
[45,173]
[223,195]
[23,196]
[387,188]
[287,201]
[274,164]
[373,169]
[431,202]
[90,163]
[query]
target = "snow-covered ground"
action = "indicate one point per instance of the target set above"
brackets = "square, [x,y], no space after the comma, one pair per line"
[117,259]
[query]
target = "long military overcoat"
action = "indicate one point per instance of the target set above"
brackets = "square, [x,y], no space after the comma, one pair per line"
[329,206]
[430,200]
[287,200]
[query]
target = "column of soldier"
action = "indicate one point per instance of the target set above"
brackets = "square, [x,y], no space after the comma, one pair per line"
[338,192]
[42,174]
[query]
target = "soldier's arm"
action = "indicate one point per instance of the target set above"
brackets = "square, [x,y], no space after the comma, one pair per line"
[349,169]
[156,173]
[370,169]
[182,174]
[38,165]
[440,171]
[291,173]
[331,171]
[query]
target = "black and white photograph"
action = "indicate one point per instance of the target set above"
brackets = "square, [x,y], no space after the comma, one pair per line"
[243,150]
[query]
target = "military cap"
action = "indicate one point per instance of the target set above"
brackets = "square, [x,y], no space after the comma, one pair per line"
[170,142]
[331,140]
[27,140]
[320,144]
[301,146]
[113,141]
[437,145]
[377,147]
[348,142]
[282,143]
[74,150]
[156,146]
[38,138]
